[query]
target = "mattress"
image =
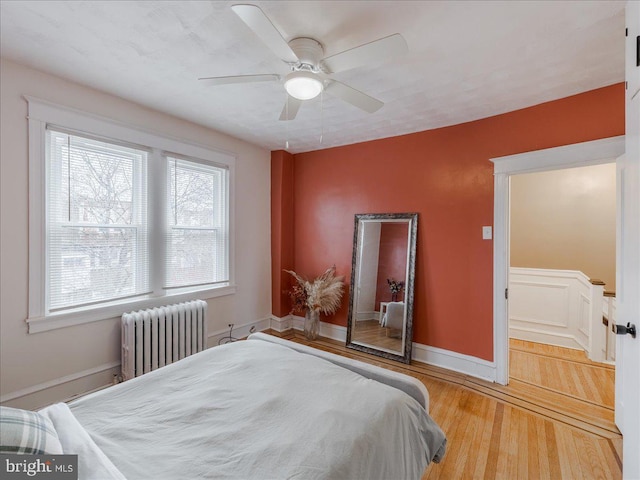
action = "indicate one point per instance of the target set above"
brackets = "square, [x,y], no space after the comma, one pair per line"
[250,410]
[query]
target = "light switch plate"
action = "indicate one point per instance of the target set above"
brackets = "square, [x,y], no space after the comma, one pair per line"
[487,233]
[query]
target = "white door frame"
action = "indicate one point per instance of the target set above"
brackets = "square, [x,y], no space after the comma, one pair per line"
[576,155]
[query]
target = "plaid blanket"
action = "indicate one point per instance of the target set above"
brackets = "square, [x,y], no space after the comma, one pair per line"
[22,431]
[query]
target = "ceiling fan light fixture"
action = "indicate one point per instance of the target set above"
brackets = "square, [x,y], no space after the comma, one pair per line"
[303,85]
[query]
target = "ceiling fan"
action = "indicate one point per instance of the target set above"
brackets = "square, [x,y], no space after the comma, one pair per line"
[310,71]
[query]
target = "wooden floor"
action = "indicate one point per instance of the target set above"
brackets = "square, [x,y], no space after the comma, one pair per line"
[563,370]
[369,332]
[550,430]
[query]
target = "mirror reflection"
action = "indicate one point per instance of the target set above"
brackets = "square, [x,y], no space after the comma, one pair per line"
[382,285]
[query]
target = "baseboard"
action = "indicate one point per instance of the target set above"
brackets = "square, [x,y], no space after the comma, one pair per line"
[458,362]
[335,332]
[62,388]
[538,336]
[364,316]
[81,383]
[327,330]
[281,324]
[297,322]
[438,357]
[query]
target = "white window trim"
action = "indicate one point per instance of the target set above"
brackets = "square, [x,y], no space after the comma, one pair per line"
[40,114]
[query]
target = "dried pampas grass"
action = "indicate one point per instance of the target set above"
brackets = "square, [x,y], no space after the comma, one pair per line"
[322,294]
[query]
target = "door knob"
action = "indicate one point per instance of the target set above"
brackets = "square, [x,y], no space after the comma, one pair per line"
[622,330]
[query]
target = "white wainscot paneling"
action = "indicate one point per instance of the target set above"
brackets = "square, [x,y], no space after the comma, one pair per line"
[539,303]
[551,306]
[585,310]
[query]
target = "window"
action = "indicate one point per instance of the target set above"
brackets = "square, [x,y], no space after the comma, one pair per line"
[97,240]
[117,223]
[196,217]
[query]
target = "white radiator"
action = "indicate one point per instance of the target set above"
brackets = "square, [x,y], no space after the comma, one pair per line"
[159,336]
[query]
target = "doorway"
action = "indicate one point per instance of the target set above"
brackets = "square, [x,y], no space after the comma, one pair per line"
[578,155]
[583,154]
[562,239]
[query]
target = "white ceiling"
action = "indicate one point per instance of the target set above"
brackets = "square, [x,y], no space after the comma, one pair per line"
[467,59]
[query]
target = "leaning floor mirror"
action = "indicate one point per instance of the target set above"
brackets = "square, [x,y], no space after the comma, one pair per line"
[382,283]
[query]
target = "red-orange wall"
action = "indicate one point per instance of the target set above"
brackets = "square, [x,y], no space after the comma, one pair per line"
[281,230]
[445,175]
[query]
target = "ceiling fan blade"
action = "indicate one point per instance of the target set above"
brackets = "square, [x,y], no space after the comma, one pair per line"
[372,52]
[241,79]
[353,96]
[290,109]
[257,21]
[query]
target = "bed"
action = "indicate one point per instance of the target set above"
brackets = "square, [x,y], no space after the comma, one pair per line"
[264,408]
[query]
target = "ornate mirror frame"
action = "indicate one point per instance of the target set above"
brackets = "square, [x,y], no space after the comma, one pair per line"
[412,220]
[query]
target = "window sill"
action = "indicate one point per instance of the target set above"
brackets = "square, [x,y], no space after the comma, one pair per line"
[69,318]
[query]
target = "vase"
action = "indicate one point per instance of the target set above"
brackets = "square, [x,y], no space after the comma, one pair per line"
[311,324]
[394,297]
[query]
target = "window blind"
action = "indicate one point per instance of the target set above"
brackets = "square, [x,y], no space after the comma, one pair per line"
[97,232]
[197,224]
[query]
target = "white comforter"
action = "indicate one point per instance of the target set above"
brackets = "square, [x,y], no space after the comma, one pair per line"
[256,410]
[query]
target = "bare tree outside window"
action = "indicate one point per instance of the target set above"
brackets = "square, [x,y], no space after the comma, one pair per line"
[98,232]
[97,222]
[196,219]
